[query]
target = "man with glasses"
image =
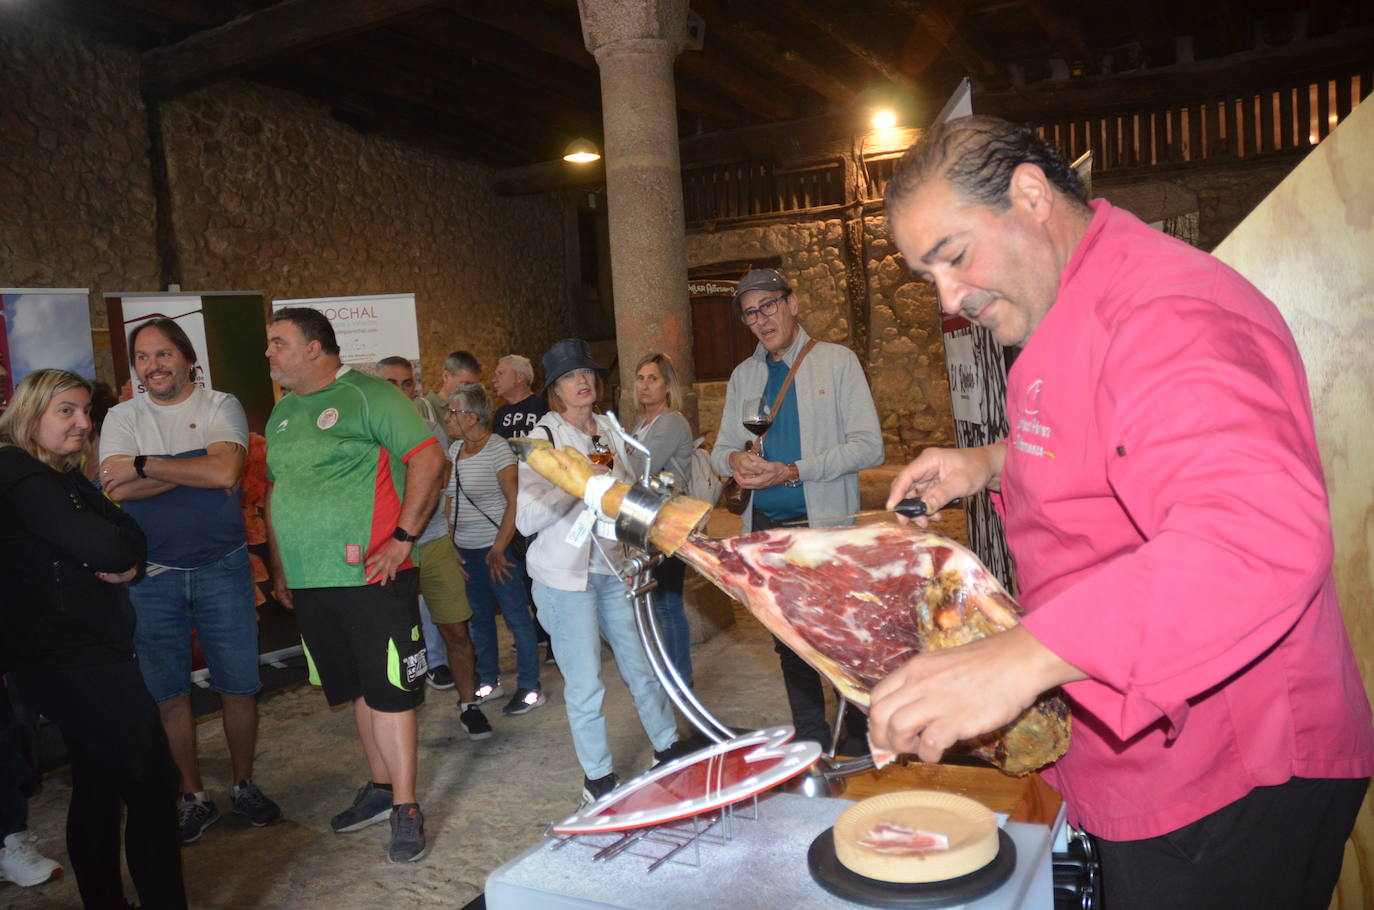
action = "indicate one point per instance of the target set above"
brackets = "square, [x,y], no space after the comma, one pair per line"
[822,434]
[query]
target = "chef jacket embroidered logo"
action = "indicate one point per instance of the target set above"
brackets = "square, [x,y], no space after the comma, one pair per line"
[1029,424]
[328,417]
[281,426]
[1031,403]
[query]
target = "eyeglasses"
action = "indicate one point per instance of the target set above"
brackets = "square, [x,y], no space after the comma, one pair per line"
[767,308]
[454,412]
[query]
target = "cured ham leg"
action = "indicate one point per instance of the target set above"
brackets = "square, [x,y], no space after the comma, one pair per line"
[855,602]
[858,602]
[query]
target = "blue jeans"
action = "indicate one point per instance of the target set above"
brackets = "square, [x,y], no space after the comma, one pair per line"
[217,600]
[436,652]
[576,621]
[484,593]
[672,620]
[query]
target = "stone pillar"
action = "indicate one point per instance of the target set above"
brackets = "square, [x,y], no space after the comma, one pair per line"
[635,43]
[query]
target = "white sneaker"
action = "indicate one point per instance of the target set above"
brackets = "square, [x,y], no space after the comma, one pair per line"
[21,863]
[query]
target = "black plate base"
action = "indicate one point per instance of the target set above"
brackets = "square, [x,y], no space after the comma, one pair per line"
[832,875]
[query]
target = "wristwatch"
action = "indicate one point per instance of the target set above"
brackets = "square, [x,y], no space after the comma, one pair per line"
[139,462]
[793,470]
[402,535]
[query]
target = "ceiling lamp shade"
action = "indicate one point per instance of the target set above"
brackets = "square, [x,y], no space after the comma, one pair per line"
[581,151]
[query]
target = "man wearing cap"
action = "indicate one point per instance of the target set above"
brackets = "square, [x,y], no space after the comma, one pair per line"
[822,434]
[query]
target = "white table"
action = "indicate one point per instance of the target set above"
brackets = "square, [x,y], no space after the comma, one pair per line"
[763,866]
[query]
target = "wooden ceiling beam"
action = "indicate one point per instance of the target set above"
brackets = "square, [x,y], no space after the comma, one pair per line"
[203,13]
[418,96]
[548,34]
[265,36]
[833,28]
[1064,34]
[1188,83]
[745,42]
[936,29]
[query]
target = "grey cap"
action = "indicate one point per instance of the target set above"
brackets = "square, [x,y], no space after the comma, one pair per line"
[564,357]
[760,280]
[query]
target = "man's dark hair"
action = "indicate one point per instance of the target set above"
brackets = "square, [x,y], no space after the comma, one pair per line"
[102,399]
[313,324]
[976,156]
[460,361]
[396,361]
[174,332]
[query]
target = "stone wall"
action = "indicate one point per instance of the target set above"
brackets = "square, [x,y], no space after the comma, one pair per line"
[905,360]
[74,180]
[268,193]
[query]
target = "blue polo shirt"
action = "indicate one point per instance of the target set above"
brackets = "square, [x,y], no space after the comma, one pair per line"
[783,444]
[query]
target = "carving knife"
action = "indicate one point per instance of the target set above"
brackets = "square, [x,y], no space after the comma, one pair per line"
[911,508]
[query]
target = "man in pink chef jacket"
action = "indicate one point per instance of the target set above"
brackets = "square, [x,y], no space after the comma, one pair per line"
[1164,502]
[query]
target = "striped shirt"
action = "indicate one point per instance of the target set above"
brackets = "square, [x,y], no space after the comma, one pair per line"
[480,490]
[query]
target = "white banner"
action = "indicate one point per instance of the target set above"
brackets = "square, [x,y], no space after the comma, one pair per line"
[368,328]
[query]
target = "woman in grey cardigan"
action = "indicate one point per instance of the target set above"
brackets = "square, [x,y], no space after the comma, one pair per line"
[666,432]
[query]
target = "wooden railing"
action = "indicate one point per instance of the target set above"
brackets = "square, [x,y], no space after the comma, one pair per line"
[1216,130]
[1275,121]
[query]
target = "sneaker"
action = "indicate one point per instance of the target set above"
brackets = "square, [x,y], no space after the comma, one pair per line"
[592,790]
[523,701]
[371,805]
[407,834]
[195,814]
[441,677]
[473,721]
[677,750]
[488,691]
[253,804]
[21,863]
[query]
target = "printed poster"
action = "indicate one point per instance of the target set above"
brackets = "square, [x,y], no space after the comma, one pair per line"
[43,327]
[370,327]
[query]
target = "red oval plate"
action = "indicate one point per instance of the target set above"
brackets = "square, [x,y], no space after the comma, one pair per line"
[707,779]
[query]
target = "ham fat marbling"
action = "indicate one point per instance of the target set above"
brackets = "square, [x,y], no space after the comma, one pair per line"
[858,602]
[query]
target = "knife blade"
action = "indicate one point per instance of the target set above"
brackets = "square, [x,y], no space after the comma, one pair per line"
[913,507]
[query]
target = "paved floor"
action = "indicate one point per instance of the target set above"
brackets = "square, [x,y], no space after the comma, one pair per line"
[484,800]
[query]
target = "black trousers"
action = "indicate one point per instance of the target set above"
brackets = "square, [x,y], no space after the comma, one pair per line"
[1276,847]
[16,777]
[806,689]
[120,763]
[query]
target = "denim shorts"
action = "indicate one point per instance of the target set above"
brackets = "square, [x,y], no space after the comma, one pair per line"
[217,601]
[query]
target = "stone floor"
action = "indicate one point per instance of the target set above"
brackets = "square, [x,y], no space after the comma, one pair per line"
[484,800]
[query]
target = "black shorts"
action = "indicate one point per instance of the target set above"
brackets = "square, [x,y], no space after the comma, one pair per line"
[365,642]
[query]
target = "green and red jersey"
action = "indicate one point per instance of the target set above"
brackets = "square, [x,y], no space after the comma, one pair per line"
[336,460]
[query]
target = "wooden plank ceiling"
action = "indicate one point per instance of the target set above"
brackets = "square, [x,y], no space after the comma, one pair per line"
[509,82]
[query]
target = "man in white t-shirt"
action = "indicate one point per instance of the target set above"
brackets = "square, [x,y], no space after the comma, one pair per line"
[173,458]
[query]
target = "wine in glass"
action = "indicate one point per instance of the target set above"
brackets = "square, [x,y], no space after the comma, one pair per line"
[757,418]
[601,452]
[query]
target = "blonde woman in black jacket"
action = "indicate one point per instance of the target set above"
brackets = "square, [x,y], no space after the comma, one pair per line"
[65,555]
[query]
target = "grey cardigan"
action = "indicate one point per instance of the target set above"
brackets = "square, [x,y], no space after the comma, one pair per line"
[840,435]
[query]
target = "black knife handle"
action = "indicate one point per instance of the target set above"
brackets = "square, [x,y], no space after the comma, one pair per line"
[916,507]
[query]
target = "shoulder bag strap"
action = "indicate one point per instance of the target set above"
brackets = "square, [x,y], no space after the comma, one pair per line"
[786,384]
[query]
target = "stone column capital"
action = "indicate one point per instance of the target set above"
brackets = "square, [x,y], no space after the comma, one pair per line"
[609,22]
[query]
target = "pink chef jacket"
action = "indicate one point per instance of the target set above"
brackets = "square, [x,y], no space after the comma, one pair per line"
[1164,502]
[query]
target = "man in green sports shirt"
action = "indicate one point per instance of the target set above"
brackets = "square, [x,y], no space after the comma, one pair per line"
[354,474]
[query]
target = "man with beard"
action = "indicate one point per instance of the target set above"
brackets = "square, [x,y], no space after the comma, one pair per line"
[173,458]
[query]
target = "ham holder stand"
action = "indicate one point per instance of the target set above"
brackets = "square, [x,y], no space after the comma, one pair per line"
[710,796]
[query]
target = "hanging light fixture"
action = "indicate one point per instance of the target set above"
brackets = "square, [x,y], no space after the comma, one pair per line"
[581,151]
